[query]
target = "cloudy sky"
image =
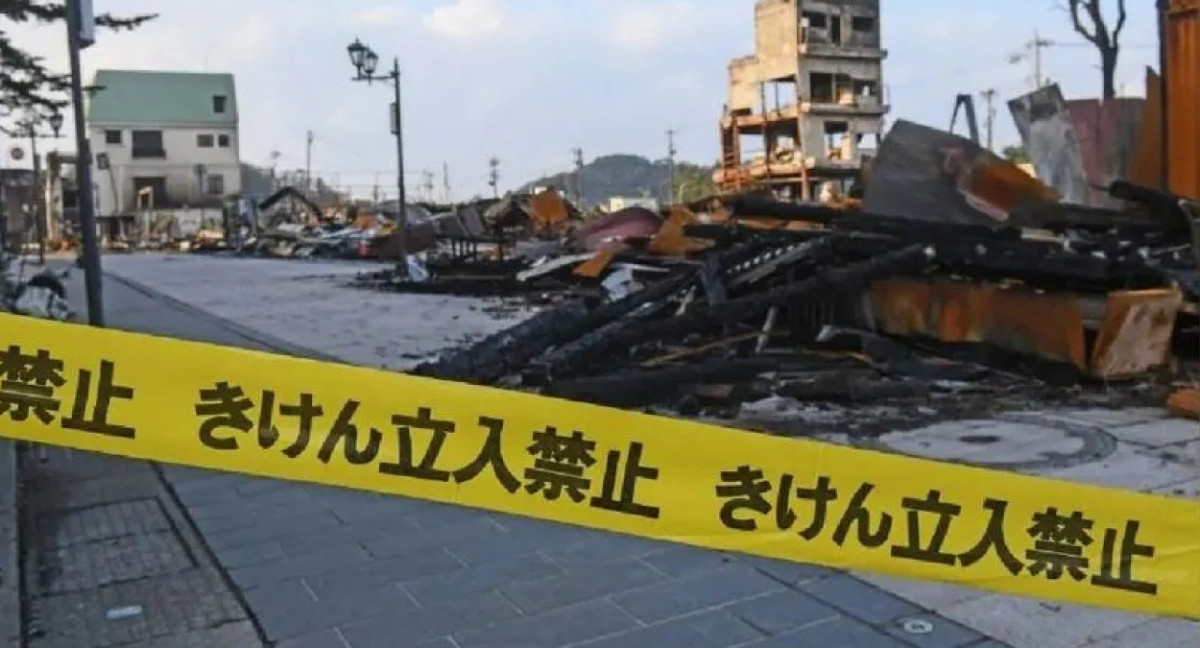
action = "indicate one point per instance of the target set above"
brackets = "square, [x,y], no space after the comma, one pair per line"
[527,81]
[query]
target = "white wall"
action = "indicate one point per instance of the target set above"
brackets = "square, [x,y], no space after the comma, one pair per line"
[178,167]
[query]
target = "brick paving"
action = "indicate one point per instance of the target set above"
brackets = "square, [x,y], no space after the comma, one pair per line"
[323,567]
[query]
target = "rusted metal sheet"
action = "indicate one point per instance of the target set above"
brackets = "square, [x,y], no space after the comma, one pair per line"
[1182,81]
[1047,325]
[548,210]
[1048,133]
[926,174]
[1107,134]
[1135,335]
[670,240]
[1146,168]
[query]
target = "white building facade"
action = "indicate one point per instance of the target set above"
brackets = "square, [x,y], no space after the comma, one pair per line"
[163,140]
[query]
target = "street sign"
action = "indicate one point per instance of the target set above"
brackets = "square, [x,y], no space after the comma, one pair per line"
[394,117]
[17,153]
[87,23]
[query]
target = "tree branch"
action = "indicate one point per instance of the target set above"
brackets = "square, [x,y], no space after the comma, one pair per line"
[1077,21]
[1121,17]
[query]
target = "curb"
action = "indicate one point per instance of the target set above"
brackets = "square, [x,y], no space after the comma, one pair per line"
[10,546]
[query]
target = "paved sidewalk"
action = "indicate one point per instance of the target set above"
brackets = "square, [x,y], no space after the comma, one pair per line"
[109,559]
[322,567]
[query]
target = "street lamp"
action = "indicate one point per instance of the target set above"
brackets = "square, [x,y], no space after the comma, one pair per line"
[365,62]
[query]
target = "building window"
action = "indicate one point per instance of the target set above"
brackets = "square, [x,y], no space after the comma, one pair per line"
[204,141]
[220,103]
[147,144]
[864,24]
[215,185]
[112,137]
[816,20]
[223,141]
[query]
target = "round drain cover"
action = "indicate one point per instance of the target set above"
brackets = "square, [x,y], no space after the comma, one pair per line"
[1030,443]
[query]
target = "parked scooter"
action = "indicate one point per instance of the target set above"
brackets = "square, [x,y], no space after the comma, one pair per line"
[43,295]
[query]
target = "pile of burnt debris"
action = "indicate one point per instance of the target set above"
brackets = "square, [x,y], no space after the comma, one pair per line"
[957,281]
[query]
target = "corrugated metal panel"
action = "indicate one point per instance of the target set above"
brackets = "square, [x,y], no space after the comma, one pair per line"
[1046,129]
[1182,79]
[1107,136]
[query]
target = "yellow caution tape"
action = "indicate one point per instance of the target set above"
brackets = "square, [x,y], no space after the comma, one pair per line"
[260,414]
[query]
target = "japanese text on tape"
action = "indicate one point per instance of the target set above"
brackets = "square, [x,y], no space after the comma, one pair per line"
[260,414]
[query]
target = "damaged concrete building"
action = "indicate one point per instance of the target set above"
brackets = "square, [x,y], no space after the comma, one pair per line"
[804,108]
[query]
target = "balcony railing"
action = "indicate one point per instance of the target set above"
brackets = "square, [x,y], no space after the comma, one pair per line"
[148,153]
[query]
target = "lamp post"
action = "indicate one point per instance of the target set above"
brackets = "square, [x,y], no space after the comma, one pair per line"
[29,128]
[79,34]
[365,61]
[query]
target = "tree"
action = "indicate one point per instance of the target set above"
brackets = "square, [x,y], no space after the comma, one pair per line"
[25,81]
[1015,154]
[1087,17]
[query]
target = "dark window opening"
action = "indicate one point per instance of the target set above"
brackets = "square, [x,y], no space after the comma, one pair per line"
[862,24]
[147,144]
[835,30]
[223,141]
[816,20]
[204,141]
[216,185]
[112,137]
[220,103]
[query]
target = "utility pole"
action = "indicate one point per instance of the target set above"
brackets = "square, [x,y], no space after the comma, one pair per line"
[446,183]
[494,176]
[80,28]
[375,191]
[1033,51]
[989,100]
[427,185]
[670,166]
[578,153]
[308,162]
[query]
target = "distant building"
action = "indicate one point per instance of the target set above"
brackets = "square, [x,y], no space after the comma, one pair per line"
[617,203]
[169,137]
[802,108]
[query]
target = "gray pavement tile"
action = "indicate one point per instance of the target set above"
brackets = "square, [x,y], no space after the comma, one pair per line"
[415,627]
[235,516]
[369,508]
[497,546]
[324,639]
[714,629]
[599,546]
[343,582]
[859,599]
[842,632]
[230,635]
[933,632]
[695,593]
[554,629]
[683,561]
[398,544]
[782,611]
[480,578]
[791,573]
[301,522]
[550,533]
[580,585]
[300,618]
[431,515]
[347,534]
[293,567]
[248,555]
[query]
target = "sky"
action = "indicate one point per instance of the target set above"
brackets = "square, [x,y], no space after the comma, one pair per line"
[527,81]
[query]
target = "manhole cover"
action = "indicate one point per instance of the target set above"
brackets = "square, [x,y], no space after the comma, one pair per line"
[1024,444]
[917,626]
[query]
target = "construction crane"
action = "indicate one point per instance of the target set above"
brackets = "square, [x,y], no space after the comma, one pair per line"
[966,102]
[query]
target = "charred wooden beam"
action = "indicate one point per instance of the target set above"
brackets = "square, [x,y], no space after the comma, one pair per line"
[510,350]
[849,277]
[641,387]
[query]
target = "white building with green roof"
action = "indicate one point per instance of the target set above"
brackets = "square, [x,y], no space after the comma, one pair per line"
[170,136]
